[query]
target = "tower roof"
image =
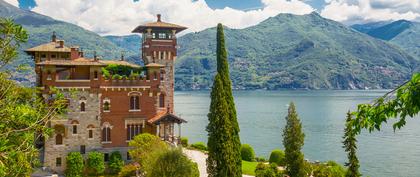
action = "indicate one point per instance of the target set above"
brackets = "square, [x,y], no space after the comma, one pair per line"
[159,25]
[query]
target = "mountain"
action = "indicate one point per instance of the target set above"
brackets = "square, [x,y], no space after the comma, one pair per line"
[364,28]
[40,28]
[294,51]
[285,51]
[403,33]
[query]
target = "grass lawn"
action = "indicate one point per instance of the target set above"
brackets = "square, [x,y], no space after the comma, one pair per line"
[248,168]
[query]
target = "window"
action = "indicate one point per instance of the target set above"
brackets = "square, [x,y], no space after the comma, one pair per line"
[49,75]
[58,139]
[135,103]
[162,35]
[82,149]
[58,162]
[161,100]
[95,74]
[82,107]
[106,106]
[133,130]
[106,157]
[74,129]
[53,56]
[153,35]
[106,134]
[128,156]
[43,56]
[155,75]
[162,74]
[90,133]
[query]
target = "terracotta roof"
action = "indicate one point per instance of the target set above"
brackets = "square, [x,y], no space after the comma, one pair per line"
[163,115]
[158,24]
[119,62]
[49,47]
[75,62]
[154,65]
[86,62]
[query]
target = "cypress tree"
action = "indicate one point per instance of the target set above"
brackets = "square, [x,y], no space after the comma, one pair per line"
[223,143]
[293,140]
[349,144]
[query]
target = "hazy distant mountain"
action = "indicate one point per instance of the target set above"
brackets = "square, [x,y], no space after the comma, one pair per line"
[403,33]
[40,28]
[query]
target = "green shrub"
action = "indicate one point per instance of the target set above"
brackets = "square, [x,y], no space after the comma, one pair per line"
[330,168]
[95,163]
[199,146]
[74,161]
[277,156]
[264,170]
[247,153]
[115,162]
[184,142]
[172,163]
[128,171]
[260,159]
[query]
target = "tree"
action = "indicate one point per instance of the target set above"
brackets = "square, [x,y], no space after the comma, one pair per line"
[74,161]
[293,139]
[173,163]
[267,170]
[223,130]
[247,153]
[277,157]
[329,169]
[350,146]
[115,162]
[95,163]
[23,115]
[145,148]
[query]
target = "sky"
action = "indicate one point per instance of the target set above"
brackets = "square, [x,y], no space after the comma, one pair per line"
[119,17]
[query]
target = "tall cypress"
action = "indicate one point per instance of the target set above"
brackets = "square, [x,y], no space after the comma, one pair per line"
[293,140]
[223,143]
[350,146]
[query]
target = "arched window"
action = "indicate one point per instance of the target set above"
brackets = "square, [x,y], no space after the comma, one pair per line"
[59,139]
[59,131]
[106,105]
[161,100]
[162,75]
[134,102]
[82,104]
[106,132]
[82,107]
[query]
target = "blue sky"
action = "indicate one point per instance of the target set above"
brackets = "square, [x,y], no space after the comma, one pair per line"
[215,4]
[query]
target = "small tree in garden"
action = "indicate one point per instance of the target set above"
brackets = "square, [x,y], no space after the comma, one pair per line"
[95,163]
[172,163]
[75,166]
[247,153]
[293,139]
[145,149]
[277,157]
[115,162]
[267,170]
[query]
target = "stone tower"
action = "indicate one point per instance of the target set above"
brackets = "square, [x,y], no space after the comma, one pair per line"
[159,47]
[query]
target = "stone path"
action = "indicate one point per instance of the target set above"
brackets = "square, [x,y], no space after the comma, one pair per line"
[200,158]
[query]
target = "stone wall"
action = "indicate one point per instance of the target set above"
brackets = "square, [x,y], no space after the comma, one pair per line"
[85,121]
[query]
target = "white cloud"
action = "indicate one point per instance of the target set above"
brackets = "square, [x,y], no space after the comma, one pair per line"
[362,11]
[121,16]
[13,2]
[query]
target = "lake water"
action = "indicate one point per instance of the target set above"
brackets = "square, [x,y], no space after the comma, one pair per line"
[261,116]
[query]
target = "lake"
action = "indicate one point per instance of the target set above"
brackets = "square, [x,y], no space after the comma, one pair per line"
[261,117]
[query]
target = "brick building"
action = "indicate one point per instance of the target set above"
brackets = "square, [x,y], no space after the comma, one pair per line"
[106,111]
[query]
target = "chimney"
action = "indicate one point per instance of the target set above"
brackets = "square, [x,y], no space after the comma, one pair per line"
[61,42]
[158,17]
[95,58]
[74,53]
[53,37]
[81,52]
